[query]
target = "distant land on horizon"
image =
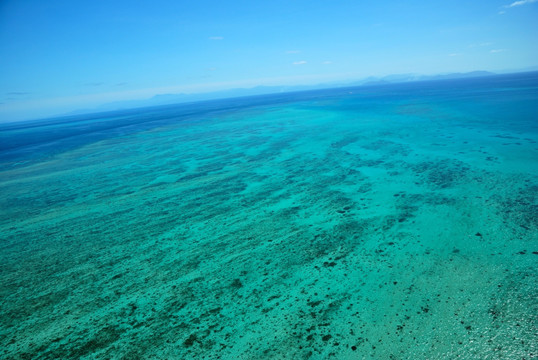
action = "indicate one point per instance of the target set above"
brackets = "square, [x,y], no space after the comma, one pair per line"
[170,99]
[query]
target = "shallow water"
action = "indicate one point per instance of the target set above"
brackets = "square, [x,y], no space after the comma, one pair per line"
[388,222]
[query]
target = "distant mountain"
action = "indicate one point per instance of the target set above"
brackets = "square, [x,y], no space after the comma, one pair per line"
[399,78]
[456,76]
[168,99]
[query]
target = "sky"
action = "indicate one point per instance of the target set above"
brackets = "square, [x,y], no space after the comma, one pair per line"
[58,56]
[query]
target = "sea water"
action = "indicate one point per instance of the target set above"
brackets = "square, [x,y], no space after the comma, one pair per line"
[383,222]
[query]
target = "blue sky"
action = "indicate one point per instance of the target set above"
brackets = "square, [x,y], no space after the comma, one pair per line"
[58,56]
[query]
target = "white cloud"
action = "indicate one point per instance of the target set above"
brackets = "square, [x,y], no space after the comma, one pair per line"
[327,62]
[497,51]
[216,38]
[299,62]
[521,2]
[502,12]
[454,54]
[293,52]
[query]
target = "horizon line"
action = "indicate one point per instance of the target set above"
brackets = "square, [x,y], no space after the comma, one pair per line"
[370,81]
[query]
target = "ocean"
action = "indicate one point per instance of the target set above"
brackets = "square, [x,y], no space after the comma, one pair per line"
[396,221]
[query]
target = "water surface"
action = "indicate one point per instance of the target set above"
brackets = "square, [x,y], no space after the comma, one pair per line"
[387,222]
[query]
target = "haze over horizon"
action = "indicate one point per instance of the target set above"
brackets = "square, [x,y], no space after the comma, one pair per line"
[62,56]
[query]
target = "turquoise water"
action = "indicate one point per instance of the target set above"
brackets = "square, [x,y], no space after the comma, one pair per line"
[388,222]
